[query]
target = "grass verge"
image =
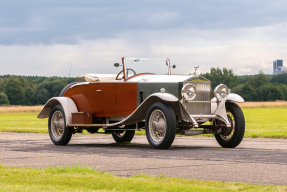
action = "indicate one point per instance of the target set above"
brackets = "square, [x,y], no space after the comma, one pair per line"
[260,122]
[23,122]
[88,179]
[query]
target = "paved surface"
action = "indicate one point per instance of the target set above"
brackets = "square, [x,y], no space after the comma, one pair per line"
[261,161]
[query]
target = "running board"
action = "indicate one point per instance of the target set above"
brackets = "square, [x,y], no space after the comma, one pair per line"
[91,125]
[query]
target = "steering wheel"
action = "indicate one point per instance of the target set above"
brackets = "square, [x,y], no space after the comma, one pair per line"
[122,71]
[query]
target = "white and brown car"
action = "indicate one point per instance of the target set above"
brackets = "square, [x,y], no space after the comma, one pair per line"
[164,105]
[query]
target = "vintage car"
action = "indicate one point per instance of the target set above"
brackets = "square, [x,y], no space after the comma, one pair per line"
[162,104]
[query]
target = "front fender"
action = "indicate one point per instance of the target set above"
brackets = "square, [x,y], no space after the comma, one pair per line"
[231,97]
[140,113]
[67,103]
[234,98]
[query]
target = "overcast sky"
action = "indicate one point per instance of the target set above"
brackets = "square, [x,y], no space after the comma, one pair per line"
[46,37]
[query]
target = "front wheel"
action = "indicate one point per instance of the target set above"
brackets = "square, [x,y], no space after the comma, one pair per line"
[231,137]
[59,133]
[160,125]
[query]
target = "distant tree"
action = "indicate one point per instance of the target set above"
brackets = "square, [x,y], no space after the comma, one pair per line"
[248,93]
[218,76]
[14,91]
[281,79]
[229,79]
[242,79]
[269,93]
[3,99]
[283,88]
[237,89]
[251,82]
[2,84]
[29,98]
[47,89]
[76,79]
[260,79]
[42,96]
[57,87]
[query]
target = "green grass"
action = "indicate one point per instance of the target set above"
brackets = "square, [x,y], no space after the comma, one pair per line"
[266,122]
[260,122]
[88,179]
[23,122]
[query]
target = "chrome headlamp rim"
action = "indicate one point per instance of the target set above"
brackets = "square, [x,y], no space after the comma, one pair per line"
[188,92]
[221,92]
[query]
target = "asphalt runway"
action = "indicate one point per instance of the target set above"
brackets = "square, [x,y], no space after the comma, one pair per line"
[256,161]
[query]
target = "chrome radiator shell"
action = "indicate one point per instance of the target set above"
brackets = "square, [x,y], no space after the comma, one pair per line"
[203,94]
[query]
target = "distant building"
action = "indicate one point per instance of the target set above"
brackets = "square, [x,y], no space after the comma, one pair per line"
[278,67]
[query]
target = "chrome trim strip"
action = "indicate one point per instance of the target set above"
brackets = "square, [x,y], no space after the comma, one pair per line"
[201,101]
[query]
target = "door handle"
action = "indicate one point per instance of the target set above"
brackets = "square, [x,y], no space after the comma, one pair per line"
[99,90]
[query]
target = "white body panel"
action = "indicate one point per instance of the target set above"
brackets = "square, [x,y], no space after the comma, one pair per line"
[68,105]
[231,97]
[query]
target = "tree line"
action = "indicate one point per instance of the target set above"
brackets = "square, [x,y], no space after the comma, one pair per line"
[31,90]
[37,90]
[259,87]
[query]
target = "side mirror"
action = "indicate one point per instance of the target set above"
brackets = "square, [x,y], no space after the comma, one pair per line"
[174,66]
[116,64]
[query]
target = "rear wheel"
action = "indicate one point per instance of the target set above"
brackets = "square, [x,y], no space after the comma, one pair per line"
[123,136]
[160,125]
[231,137]
[59,133]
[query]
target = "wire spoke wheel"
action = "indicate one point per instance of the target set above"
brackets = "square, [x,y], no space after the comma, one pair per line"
[157,125]
[230,137]
[58,124]
[59,133]
[160,125]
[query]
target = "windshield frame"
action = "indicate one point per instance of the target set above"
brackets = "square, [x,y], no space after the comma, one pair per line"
[143,59]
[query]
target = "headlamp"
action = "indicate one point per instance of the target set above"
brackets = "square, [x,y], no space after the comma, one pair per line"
[221,91]
[188,92]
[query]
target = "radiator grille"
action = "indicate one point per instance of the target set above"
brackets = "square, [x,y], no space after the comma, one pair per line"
[203,94]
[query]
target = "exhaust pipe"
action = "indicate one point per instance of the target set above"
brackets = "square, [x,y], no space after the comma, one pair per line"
[196,132]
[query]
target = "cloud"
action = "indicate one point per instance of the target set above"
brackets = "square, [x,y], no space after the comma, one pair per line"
[243,71]
[67,22]
[47,37]
[239,51]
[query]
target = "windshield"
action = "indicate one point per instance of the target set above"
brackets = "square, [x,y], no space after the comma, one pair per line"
[138,66]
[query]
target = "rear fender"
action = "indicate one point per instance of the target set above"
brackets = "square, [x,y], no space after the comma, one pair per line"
[67,103]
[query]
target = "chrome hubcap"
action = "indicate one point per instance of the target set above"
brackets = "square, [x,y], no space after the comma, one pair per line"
[157,125]
[57,124]
[230,132]
[119,133]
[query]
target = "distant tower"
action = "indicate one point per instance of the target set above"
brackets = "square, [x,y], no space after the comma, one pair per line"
[274,66]
[279,64]
[278,67]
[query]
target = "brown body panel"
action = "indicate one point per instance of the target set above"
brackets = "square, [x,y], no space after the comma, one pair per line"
[82,118]
[105,99]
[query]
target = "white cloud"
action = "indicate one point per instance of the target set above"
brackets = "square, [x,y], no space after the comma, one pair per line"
[243,71]
[92,38]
